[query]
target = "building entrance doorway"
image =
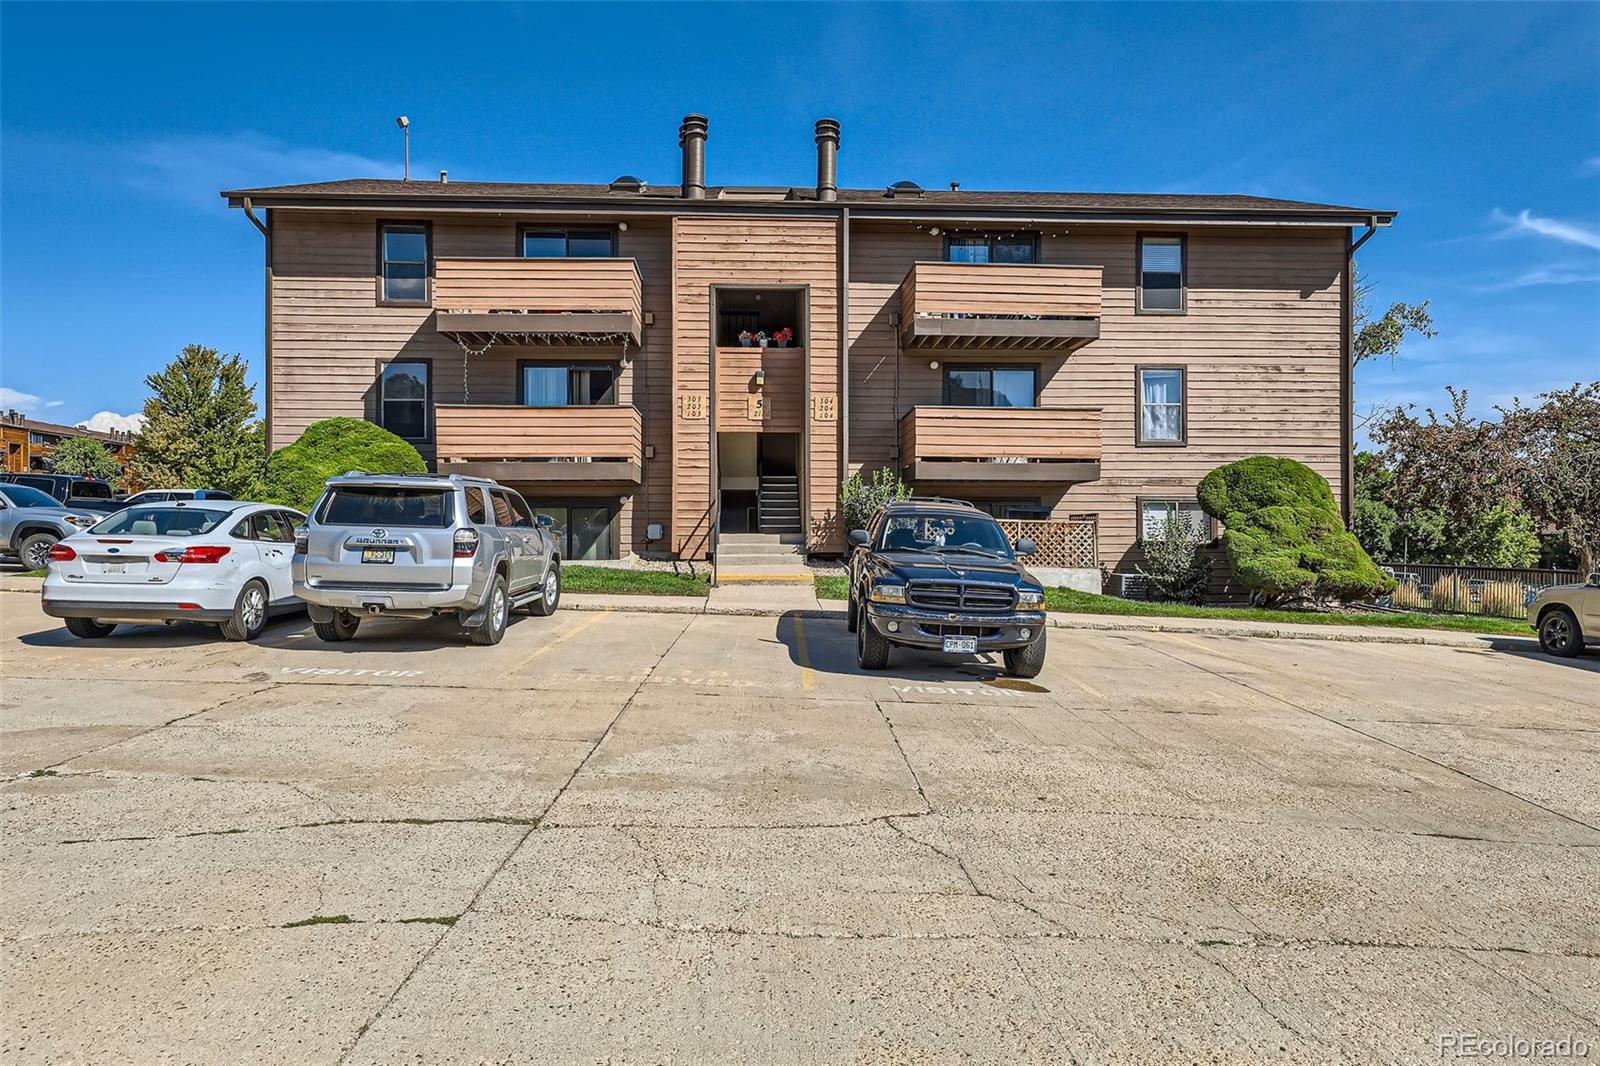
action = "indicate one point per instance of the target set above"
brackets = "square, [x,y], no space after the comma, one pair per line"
[759,482]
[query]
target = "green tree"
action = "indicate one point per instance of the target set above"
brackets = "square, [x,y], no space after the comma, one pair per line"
[1557,446]
[200,426]
[296,474]
[1284,536]
[861,498]
[1382,337]
[1374,519]
[85,456]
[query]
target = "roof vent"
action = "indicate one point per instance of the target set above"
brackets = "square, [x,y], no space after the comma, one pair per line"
[627,183]
[904,188]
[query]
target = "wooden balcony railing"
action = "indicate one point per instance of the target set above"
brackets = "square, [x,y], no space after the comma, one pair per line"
[1028,306]
[1001,444]
[540,443]
[548,301]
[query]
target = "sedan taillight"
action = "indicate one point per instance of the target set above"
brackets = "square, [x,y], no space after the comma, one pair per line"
[60,553]
[203,553]
[466,543]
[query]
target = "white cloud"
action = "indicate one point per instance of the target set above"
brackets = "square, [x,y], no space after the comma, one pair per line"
[1524,222]
[196,167]
[54,403]
[26,402]
[1590,166]
[106,421]
[1543,276]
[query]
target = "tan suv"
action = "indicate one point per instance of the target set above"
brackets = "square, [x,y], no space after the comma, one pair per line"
[1567,617]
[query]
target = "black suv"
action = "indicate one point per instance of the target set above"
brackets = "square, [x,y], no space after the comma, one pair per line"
[72,491]
[941,575]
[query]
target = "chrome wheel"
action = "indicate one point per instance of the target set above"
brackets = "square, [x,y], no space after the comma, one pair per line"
[253,611]
[497,607]
[552,589]
[37,555]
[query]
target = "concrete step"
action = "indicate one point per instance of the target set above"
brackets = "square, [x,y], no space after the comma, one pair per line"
[760,538]
[773,550]
[762,575]
[768,560]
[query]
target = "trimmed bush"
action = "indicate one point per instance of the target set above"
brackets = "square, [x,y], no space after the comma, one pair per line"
[1284,536]
[1177,567]
[296,474]
[862,498]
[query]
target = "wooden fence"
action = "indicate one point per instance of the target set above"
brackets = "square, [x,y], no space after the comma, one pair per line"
[1064,543]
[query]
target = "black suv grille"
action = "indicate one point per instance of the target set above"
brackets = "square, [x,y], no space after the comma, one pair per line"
[962,596]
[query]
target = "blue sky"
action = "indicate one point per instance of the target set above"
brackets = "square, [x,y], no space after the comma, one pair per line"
[119,123]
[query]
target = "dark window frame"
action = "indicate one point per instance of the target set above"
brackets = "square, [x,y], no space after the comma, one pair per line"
[566,231]
[383,226]
[1033,236]
[611,504]
[1138,405]
[427,401]
[1138,514]
[596,364]
[944,382]
[1138,273]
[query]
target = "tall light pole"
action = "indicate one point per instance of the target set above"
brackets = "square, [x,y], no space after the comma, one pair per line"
[405,131]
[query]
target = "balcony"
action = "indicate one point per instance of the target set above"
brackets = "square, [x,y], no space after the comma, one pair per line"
[538,301]
[592,445]
[1000,306]
[1004,445]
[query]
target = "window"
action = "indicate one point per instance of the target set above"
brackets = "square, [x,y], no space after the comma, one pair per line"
[1155,514]
[556,385]
[503,515]
[1031,509]
[992,248]
[1163,269]
[88,490]
[272,526]
[984,386]
[1161,405]
[583,532]
[476,513]
[944,532]
[404,400]
[22,496]
[403,251]
[162,520]
[387,505]
[557,243]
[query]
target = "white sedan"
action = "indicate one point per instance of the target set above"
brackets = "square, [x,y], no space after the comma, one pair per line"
[220,561]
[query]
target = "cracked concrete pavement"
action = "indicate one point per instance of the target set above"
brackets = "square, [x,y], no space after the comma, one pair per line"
[630,837]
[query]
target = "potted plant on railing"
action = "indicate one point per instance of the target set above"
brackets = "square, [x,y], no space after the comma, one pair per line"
[782,337]
[761,339]
[746,338]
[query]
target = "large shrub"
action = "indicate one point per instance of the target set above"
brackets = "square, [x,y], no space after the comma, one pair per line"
[1284,536]
[862,498]
[295,474]
[1175,563]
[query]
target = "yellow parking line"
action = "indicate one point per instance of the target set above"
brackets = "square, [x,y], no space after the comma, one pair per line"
[808,677]
[545,648]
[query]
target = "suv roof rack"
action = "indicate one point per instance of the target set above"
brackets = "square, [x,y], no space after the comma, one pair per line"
[911,501]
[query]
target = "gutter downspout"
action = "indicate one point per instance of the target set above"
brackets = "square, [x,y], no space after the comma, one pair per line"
[266,342]
[844,349]
[1347,432]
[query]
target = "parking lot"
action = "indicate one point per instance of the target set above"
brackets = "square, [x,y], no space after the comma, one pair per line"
[675,838]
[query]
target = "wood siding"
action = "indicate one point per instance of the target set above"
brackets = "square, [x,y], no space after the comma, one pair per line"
[328,336]
[1001,289]
[538,433]
[710,251]
[482,285]
[1041,434]
[1260,345]
[784,392]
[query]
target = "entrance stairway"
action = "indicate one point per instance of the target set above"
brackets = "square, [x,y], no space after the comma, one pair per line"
[778,509]
[762,558]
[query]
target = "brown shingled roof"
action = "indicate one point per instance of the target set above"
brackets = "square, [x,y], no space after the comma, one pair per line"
[355,190]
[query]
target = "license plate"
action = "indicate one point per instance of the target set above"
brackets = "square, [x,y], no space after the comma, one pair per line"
[967,644]
[377,555]
[116,568]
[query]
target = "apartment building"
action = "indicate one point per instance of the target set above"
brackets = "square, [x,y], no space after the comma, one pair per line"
[27,444]
[658,365]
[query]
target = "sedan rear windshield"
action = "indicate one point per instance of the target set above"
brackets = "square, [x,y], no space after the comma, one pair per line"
[23,496]
[160,520]
[388,505]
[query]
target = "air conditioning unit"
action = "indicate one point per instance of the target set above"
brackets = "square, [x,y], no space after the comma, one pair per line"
[1132,586]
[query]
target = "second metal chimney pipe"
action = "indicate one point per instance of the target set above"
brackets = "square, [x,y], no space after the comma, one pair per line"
[827,159]
[692,139]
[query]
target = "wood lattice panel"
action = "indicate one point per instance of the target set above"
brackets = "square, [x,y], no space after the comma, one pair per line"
[1065,543]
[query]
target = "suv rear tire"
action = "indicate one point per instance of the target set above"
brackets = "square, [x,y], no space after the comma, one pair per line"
[342,627]
[1027,660]
[1559,634]
[549,597]
[493,626]
[872,647]
[88,628]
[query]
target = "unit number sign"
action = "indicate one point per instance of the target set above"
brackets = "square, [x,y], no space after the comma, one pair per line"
[825,408]
[692,405]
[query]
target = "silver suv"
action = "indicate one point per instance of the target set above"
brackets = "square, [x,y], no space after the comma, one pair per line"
[414,546]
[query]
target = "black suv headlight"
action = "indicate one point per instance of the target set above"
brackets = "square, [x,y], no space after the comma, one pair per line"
[887,593]
[1030,598]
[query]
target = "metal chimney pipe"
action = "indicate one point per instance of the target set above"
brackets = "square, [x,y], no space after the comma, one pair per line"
[692,139]
[827,159]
